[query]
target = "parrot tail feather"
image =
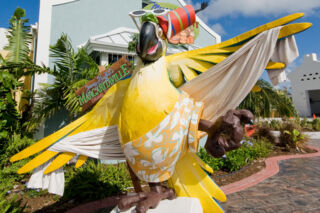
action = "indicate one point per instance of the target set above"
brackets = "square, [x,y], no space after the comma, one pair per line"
[190,180]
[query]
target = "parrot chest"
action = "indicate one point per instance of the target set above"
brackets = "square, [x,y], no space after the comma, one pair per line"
[149,98]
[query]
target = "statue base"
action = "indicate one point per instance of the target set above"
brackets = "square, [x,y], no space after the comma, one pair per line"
[180,204]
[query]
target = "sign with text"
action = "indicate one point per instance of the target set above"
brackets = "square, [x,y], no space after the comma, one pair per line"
[94,90]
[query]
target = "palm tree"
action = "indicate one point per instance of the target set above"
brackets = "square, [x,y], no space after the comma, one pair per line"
[19,38]
[16,65]
[71,70]
[268,99]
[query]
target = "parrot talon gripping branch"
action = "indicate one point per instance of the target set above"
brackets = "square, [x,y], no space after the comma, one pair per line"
[154,115]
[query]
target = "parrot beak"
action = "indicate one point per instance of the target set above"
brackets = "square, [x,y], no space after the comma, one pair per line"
[149,47]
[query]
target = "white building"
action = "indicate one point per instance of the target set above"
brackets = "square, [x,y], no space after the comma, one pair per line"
[103,27]
[305,83]
[3,41]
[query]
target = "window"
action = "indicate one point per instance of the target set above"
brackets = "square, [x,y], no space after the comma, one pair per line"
[130,58]
[113,58]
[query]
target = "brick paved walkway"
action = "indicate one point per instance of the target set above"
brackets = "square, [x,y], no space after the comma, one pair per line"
[296,188]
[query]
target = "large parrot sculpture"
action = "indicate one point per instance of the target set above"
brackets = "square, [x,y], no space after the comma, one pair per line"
[154,119]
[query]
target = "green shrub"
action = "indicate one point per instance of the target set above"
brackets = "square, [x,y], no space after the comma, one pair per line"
[8,171]
[264,133]
[9,175]
[291,136]
[304,123]
[238,158]
[316,124]
[12,205]
[215,163]
[275,125]
[95,181]
[15,145]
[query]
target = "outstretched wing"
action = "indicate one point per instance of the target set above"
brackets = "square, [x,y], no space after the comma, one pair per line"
[104,114]
[185,66]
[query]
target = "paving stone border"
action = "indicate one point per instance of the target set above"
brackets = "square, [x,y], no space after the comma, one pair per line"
[272,168]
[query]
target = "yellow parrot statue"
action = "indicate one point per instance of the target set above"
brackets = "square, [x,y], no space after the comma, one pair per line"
[153,117]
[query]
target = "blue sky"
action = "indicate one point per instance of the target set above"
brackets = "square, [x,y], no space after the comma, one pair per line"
[8,6]
[227,17]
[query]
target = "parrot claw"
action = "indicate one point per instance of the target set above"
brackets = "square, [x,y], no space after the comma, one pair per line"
[147,200]
[227,133]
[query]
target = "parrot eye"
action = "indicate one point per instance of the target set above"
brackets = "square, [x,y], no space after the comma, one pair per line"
[160,32]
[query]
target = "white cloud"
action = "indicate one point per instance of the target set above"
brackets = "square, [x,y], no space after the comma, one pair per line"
[220,8]
[218,29]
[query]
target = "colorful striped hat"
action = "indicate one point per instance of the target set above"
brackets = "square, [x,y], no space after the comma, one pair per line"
[177,20]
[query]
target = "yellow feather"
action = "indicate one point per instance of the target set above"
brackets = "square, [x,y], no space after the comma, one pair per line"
[240,38]
[188,73]
[59,161]
[211,58]
[256,88]
[47,141]
[201,163]
[98,117]
[81,160]
[275,66]
[37,161]
[193,185]
[291,29]
[205,180]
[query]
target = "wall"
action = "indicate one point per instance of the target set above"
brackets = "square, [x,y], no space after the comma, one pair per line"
[3,41]
[303,79]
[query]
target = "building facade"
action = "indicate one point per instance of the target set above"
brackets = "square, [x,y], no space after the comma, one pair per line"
[3,41]
[305,83]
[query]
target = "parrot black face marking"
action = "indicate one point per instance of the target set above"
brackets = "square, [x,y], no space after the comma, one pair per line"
[149,47]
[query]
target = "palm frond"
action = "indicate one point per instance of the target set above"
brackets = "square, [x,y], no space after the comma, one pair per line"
[72,70]
[263,103]
[19,38]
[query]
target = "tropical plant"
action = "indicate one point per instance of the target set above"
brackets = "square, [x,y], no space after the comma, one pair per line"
[18,60]
[16,65]
[71,71]
[19,38]
[316,124]
[133,43]
[95,181]
[236,159]
[9,116]
[13,205]
[262,103]
[291,136]
[16,144]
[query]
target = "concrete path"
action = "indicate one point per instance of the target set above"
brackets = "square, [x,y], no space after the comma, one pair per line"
[296,188]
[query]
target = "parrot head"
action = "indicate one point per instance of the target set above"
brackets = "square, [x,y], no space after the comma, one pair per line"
[152,39]
[151,45]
